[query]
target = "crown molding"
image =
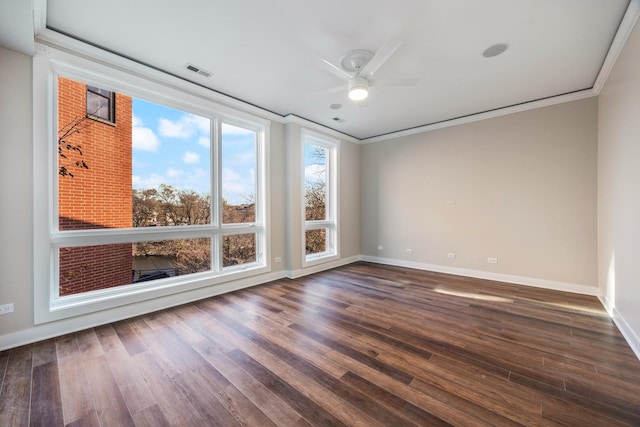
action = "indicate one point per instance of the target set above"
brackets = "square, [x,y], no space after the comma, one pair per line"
[55,40]
[622,35]
[526,106]
[292,118]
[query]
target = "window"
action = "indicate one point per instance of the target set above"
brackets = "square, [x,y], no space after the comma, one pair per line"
[101,104]
[170,200]
[320,237]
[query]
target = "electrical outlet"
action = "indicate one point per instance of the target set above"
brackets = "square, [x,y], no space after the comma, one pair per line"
[278,259]
[380,248]
[6,308]
[451,255]
[492,260]
[409,251]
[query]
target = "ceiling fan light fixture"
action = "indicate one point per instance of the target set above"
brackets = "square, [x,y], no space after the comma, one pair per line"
[358,88]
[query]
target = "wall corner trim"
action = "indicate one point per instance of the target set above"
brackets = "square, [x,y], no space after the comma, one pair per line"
[625,329]
[316,268]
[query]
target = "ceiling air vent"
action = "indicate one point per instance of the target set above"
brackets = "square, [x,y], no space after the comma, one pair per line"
[338,119]
[198,70]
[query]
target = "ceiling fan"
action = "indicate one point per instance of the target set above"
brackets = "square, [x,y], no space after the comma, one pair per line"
[358,67]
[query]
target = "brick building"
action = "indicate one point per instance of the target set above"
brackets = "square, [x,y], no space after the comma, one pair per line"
[100,196]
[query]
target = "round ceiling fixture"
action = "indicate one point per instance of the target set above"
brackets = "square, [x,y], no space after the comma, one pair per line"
[495,50]
[335,106]
[355,60]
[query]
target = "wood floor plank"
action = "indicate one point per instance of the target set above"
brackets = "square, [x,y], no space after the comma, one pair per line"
[88,342]
[74,389]
[303,377]
[107,398]
[150,417]
[242,408]
[351,353]
[88,420]
[46,403]
[128,377]
[362,344]
[16,388]
[129,338]
[175,408]
[408,411]
[256,392]
[302,404]
[44,352]
[204,400]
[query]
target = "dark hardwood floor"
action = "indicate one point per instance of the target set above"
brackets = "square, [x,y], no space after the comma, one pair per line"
[361,345]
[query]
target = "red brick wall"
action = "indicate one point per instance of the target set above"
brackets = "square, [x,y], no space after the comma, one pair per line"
[89,268]
[97,197]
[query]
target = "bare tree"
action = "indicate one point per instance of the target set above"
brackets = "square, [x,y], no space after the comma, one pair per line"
[169,206]
[145,207]
[193,255]
[69,153]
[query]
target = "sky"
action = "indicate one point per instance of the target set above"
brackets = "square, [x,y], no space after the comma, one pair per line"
[315,170]
[173,147]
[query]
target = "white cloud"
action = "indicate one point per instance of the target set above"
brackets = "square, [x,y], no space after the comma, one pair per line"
[234,130]
[143,138]
[149,181]
[174,173]
[185,127]
[190,157]
[196,179]
[202,123]
[174,129]
[315,173]
[205,141]
[136,121]
[230,175]
[235,187]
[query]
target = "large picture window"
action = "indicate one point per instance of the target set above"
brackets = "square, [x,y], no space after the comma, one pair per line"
[161,193]
[320,236]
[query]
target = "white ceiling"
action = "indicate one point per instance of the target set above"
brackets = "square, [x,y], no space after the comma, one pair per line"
[261,52]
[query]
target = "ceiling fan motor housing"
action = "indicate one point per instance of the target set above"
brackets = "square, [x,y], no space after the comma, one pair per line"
[358,88]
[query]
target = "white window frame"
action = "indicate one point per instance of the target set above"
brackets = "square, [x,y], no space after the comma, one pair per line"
[48,64]
[331,223]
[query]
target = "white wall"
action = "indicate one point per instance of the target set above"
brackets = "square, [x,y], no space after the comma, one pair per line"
[521,188]
[16,171]
[619,191]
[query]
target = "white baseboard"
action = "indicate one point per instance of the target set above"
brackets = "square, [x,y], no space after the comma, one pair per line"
[625,329]
[294,274]
[498,277]
[54,329]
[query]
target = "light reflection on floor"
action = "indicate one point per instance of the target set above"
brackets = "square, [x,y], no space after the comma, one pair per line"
[448,291]
[494,298]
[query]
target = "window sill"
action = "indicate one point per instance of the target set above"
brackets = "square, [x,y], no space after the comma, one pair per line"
[105,299]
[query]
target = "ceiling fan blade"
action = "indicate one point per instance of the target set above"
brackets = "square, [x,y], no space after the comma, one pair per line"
[394,82]
[334,69]
[337,89]
[381,57]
